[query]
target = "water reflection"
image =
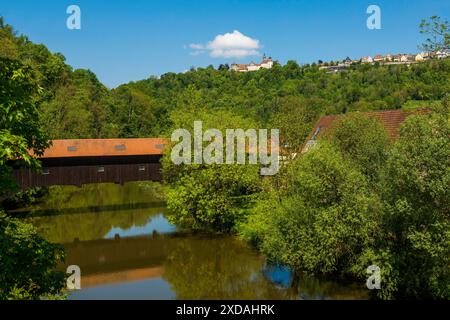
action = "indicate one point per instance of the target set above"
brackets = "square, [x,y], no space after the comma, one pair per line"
[99,225]
[97,198]
[99,211]
[131,252]
[217,268]
[154,224]
[306,287]
[279,275]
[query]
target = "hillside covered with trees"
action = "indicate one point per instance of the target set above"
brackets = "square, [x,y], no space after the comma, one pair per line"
[75,104]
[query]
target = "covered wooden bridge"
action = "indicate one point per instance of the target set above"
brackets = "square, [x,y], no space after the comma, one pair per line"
[84,161]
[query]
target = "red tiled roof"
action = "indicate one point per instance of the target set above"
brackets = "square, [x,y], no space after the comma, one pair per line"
[105,147]
[391,119]
[239,66]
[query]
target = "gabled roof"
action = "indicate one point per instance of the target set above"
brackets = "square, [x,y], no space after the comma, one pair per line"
[105,147]
[391,119]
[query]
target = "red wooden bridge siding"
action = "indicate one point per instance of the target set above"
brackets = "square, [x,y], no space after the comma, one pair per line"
[79,175]
[78,162]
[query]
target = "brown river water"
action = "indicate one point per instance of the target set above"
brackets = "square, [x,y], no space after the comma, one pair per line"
[126,249]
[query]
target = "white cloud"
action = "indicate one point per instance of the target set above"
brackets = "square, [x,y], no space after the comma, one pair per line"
[229,45]
[196,46]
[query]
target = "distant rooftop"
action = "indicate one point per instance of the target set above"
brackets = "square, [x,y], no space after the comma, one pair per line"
[391,119]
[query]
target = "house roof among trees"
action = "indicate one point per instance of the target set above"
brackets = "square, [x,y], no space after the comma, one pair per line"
[391,119]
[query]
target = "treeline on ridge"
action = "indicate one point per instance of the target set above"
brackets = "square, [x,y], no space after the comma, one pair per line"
[75,104]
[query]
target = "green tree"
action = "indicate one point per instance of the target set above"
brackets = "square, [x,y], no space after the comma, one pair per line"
[294,118]
[213,197]
[363,140]
[26,259]
[335,218]
[438,32]
[209,197]
[79,109]
[416,219]
[324,221]
[223,67]
[27,262]
[9,47]
[19,119]
[135,113]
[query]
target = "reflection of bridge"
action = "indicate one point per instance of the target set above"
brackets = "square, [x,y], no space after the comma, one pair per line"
[118,260]
[78,162]
[21,212]
[92,280]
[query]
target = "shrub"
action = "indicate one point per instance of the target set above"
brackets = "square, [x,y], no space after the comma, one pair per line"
[27,262]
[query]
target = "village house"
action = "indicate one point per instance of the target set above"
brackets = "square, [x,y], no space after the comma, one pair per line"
[266,63]
[253,66]
[239,67]
[423,56]
[367,59]
[388,57]
[378,58]
[420,57]
[397,57]
[390,119]
[442,54]
[404,58]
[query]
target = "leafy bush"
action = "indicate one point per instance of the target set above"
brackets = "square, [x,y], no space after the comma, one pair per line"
[27,262]
[212,197]
[416,195]
[362,140]
[355,201]
[326,219]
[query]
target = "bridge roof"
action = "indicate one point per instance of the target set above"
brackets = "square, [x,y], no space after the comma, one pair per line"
[105,147]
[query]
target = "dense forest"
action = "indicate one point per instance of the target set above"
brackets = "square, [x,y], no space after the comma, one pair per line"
[75,104]
[354,200]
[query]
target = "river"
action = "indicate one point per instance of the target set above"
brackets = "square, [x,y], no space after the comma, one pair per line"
[126,249]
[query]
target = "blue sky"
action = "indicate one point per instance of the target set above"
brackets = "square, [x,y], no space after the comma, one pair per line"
[123,41]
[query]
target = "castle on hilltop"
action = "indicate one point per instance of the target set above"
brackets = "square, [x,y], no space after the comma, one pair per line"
[266,63]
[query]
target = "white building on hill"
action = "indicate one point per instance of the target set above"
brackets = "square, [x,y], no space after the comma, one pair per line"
[266,63]
[367,59]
